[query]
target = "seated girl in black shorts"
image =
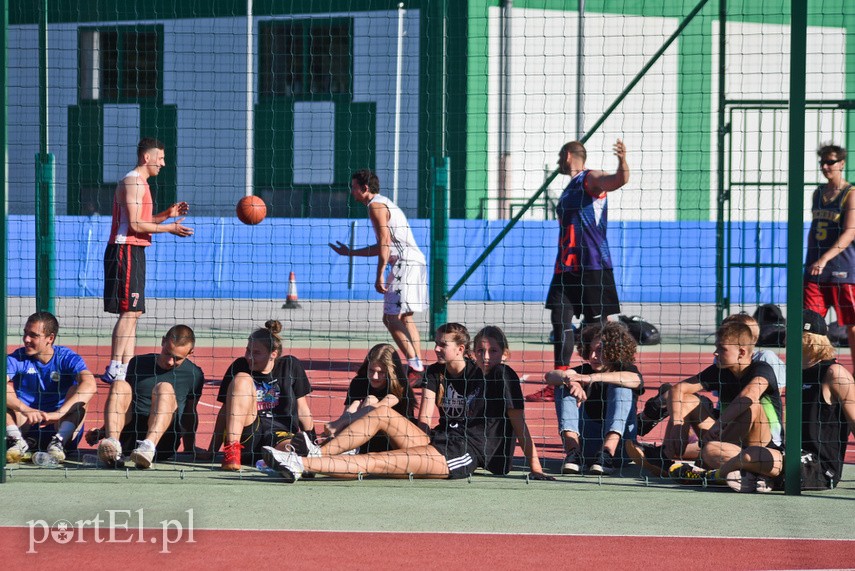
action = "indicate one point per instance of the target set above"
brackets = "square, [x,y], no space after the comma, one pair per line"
[471,415]
[380,381]
[265,399]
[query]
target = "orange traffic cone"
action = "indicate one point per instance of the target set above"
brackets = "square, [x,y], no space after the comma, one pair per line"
[291,300]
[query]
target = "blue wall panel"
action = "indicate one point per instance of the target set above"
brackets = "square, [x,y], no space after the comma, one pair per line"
[656,262]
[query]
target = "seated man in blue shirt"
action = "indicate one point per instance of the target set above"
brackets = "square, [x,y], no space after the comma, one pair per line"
[47,389]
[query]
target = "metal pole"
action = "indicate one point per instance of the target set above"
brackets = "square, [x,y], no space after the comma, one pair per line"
[399,72]
[45,257]
[4,107]
[249,187]
[504,107]
[722,304]
[591,131]
[795,239]
[580,72]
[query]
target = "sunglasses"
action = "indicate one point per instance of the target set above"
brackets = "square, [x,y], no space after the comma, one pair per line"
[829,162]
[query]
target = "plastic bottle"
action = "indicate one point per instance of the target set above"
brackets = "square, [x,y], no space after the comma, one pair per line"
[45,460]
[90,461]
[262,467]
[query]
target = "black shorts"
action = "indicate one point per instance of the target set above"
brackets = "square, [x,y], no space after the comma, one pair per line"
[136,430]
[264,431]
[590,293]
[124,278]
[462,458]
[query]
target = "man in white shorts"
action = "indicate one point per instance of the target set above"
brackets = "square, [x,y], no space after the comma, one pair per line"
[405,291]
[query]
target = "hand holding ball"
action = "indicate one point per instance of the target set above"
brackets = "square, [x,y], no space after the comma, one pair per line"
[251,210]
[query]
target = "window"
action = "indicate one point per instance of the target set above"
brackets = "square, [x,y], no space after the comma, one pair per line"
[121,64]
[304,58]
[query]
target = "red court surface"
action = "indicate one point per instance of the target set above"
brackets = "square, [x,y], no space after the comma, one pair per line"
[231,549]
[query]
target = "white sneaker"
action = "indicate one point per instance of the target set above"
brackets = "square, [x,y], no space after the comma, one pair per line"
[303,446]
[17,452]
[110,452]
[143,454]
[56,449]
[288,464]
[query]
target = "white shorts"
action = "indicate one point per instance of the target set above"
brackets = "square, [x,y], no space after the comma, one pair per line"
[406,289]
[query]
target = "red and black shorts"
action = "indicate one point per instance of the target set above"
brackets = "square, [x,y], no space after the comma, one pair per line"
[124,278]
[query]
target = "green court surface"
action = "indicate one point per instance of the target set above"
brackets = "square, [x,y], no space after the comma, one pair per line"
[612,506]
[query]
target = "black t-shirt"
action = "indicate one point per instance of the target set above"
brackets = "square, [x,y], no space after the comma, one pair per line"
[728,386]
[825,429]
[595,406]
[468,407]
[276,392]
[360,388]
[503,387]
[143,374]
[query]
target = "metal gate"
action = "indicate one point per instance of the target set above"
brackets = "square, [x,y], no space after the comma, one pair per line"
[752,195]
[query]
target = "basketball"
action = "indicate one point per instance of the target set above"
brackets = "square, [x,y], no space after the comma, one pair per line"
[251,210]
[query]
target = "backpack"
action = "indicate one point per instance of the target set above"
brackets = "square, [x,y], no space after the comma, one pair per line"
[643,332]
[837,335]
[773,326]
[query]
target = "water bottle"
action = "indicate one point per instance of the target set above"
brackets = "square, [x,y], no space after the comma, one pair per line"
[90,461]
[45,460]
[262,467]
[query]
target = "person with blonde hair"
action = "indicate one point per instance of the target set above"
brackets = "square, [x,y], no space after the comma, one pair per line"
[379,382]
[828,417]
[750,413]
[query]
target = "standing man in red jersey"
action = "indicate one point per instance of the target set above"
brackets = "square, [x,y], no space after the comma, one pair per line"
[124,258]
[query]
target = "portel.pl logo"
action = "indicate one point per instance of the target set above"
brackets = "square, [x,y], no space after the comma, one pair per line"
[112,526]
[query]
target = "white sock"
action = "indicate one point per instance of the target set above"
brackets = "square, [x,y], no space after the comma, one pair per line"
[114,366]
[66,429]
[147,444]
[416,364]
[12,431]
[123,371]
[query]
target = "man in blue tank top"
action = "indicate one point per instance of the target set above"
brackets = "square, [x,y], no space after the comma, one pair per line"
[583,282]
[830,262]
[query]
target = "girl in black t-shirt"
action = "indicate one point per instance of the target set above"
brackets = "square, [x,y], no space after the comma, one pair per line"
[504,391]
[264,395]
[380,381]
[454,448]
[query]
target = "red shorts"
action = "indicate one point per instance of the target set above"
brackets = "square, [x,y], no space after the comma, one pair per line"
[819,297]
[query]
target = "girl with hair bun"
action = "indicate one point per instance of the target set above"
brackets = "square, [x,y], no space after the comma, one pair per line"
[264,395]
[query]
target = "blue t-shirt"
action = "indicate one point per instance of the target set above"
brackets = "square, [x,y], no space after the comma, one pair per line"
[583,219]
[43,386]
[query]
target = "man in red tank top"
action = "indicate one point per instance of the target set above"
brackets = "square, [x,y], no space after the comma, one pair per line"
[124,258]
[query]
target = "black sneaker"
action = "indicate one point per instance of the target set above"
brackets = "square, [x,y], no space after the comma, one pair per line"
[649,457]
[604,464]
[572,462]
[655,411]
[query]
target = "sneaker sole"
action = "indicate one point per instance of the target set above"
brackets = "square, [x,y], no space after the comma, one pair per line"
[571,469]
[598,470]
[140,461]
[271,461]
[231,467]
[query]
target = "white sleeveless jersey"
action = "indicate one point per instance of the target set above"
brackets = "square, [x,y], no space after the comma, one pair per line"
[403,245]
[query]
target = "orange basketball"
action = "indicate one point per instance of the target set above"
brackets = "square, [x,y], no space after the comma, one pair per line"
[251,210]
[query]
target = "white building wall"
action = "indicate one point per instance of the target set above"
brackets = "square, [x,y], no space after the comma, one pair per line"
[543,105]
[758,67]
[204,75]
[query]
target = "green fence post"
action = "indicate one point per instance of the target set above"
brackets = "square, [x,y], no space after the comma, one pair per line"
[44,182]
[439,242]
[45,257]
[795,208]
[4,102]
